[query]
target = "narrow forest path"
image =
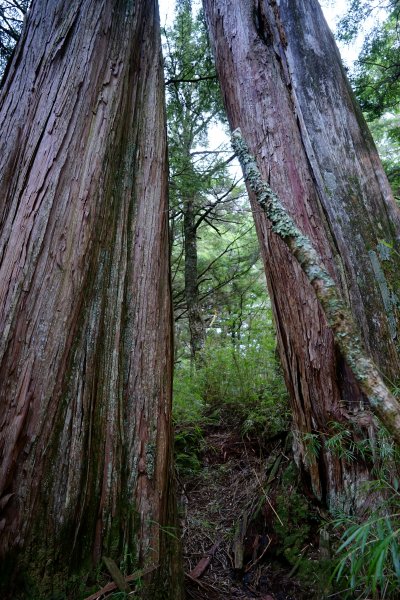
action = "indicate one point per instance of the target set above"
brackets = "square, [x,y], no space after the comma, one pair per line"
[248,531]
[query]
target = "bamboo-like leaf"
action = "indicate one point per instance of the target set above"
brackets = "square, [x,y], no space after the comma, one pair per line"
[378,574]
[395,558]
[353,533]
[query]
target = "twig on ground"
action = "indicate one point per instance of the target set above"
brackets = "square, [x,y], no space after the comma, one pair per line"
[111,587]
[204,563]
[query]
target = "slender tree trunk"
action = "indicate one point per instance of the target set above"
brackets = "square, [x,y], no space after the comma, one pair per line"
[85,314]
[195,319]
[284,86]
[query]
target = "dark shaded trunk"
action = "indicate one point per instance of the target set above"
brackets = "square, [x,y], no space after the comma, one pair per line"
[85,314]
[284,86]
[195,319]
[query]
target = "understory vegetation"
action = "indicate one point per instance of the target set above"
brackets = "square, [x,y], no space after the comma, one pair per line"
[368,554]
[240,488]
[237,477]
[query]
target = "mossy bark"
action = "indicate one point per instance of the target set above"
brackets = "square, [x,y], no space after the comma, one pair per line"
[339,319]
[85,312]
[285,88]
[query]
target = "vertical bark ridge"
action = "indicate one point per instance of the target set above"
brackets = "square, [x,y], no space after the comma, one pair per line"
[352,187]
[85,315]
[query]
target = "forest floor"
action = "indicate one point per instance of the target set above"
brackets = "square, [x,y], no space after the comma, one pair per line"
[248,530]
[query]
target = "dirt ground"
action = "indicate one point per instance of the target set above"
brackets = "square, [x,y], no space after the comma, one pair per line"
[228,518]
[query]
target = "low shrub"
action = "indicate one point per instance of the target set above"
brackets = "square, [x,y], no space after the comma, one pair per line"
[369,554]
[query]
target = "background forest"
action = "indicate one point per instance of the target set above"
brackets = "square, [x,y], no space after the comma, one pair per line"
[243,501]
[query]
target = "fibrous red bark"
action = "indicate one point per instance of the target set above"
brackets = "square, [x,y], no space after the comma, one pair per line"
[381,400]
[284,86]
[85,315]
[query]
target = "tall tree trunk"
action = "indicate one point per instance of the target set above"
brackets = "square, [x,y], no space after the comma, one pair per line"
[195,319]
[284,86]
[85,314]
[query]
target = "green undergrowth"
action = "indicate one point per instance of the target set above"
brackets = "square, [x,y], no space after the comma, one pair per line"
[243,376]
[189,442]
[363,561]
[368,563]
[237,386]
[368,553]
[292,524]
[233,385]
[296,524]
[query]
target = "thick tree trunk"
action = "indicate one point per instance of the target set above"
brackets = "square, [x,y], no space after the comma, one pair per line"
[85,314]
[284,86]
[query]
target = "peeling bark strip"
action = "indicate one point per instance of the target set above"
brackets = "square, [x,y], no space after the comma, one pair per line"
[85,311]
[382,402]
